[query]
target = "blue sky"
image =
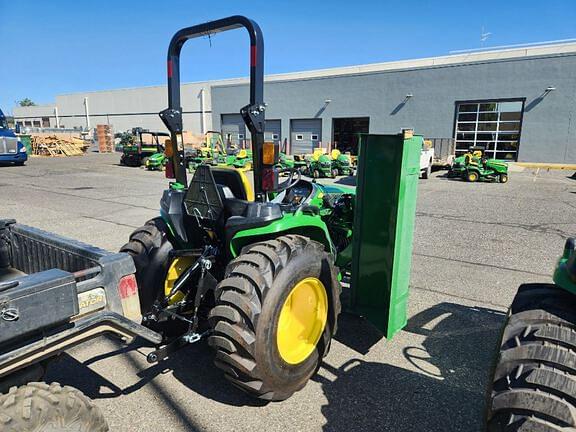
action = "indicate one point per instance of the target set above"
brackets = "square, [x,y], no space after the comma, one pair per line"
[55,47]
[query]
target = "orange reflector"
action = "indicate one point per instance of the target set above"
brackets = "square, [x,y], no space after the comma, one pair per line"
[128,290]
[168,150]
[268,155]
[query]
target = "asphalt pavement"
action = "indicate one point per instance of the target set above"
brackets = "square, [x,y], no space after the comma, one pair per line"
[473,245]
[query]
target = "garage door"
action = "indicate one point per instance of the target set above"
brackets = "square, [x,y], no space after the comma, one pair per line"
[305,134]
[233,130]
[273,131]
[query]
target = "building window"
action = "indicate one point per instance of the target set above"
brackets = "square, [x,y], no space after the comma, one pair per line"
[275,136]
[240,136]
[493,125]
[45,122]
[36,123]
[314,137]
[27,123]
[299,137]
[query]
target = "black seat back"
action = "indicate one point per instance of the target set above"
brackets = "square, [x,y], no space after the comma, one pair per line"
[202,199]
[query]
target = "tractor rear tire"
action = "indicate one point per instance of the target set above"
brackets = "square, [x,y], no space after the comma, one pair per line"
[38,407]
[534,385]
[150,248]
[250,301]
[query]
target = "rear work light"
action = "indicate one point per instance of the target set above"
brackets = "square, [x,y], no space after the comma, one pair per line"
[128,290]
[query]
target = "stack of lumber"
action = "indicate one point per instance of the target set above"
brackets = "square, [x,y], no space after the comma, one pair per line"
[57,145]
[105,137]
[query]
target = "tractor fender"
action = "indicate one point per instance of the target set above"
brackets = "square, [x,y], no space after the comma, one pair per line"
[310,226]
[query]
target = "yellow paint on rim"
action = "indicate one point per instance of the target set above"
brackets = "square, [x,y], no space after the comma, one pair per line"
[302,320]
[178,266]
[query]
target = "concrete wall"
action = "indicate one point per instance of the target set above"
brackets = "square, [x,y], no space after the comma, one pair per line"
[548,132]
[128,108]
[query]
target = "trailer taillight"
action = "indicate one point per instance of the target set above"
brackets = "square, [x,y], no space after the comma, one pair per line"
[128,290]
[169,170]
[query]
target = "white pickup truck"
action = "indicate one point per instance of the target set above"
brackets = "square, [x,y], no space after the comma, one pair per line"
[426,158]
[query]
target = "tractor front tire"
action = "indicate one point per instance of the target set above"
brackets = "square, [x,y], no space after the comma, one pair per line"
[534,385]
[316,174]
[503,178]
[38,407]
[275,315]
[472,176]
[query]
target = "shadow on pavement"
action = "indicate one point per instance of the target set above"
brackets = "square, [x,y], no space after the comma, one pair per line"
[444,391]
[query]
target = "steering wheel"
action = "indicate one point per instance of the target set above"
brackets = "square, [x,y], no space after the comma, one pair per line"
[290,182]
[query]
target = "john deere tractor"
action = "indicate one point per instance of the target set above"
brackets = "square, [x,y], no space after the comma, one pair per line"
[258,272]
[534,379]
[473,167]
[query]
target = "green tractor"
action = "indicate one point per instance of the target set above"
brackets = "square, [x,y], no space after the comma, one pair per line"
[136,153]
[258,274]
[534,379]
[473,167]
[341,164]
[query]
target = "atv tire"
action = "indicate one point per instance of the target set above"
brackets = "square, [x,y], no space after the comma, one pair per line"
[41,407]
[150,248]
[534,385]
[248,304]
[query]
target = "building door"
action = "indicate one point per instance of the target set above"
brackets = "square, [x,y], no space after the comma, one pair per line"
[492,125]
[234,131]
[305,135]
[346,132]
[273,131]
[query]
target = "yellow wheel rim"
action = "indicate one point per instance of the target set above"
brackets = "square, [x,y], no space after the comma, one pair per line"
[472,177]
[177,267]
[302,320]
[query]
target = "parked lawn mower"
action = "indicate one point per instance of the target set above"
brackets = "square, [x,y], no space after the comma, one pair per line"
[156,162]
[341,164]
[473,167]
[136,153]
[320,165]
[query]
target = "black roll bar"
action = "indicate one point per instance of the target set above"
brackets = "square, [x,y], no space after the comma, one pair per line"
[253,113]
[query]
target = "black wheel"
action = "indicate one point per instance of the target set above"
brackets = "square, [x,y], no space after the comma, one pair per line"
[41,407]
[316,174]
[472,176]
[426,173]
[503,178]
[156,271]
[275,315]
[143,161]
[534,386]
[19,163]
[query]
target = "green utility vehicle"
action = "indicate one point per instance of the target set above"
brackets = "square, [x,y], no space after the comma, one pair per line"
[136,153]
[534,380]
[473,167]
[341,164]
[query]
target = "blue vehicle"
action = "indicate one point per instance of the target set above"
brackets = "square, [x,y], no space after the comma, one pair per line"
[11,149]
